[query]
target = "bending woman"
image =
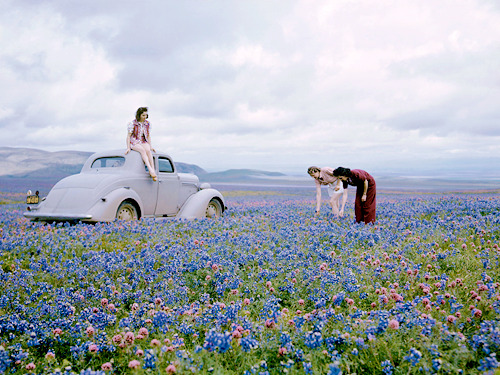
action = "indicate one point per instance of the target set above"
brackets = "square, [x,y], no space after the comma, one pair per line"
[139,139]
[324,176]
[366,191]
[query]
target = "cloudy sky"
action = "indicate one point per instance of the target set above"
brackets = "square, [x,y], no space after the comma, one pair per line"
[389,86]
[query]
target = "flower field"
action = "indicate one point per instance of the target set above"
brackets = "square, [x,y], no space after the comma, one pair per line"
[267,289]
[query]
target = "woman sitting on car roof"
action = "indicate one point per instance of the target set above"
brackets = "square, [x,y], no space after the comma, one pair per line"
[139,139]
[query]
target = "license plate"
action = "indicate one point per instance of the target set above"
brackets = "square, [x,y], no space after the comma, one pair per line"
[32,199]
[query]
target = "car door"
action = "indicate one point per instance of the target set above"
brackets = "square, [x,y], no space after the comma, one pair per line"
[167,202]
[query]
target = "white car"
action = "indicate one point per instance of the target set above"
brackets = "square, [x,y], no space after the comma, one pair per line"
[112,185]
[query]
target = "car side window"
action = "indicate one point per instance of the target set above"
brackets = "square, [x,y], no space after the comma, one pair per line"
[108,162]
[165,165]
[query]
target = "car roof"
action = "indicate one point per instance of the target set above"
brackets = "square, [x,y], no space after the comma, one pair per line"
[121,152]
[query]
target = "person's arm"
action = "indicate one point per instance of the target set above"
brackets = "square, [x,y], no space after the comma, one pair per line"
[128,144]
[149,140]
[339,182]
[365,189]
[344,200]
[318,198]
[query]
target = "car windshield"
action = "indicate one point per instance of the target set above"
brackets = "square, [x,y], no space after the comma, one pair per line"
[108,162]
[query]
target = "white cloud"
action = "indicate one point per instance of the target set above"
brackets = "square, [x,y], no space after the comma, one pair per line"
[263,84]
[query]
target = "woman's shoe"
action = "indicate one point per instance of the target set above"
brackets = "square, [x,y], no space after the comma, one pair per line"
[154,177]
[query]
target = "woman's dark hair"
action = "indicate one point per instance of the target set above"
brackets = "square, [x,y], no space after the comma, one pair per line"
[139,112]
[313,169]
[341,171]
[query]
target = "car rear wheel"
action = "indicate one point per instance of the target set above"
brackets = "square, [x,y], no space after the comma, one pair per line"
[214,209]
[127,212]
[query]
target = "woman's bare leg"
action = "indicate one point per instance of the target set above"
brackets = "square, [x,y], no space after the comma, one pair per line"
[334,201]
[141,150]
[147,147]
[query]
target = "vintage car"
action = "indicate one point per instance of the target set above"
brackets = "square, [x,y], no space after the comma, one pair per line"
[112,185]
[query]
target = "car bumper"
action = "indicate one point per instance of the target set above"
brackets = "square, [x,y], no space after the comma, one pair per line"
[62,217]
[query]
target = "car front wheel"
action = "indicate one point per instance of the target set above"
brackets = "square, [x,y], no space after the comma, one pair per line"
[214,209]
[127,212]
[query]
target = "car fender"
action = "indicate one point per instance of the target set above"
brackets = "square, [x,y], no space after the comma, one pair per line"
[105,209]
[196,205]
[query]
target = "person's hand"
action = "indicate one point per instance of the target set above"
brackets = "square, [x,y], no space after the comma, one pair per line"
[337,188]
[128,150]
[363,198]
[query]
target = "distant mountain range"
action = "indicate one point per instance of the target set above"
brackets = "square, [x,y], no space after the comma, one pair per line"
[20,165]
[27,168]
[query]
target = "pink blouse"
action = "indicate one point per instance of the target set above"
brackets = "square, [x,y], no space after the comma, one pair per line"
[140,134]
[326,177]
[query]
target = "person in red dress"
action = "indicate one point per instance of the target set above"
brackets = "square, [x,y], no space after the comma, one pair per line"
[366,192]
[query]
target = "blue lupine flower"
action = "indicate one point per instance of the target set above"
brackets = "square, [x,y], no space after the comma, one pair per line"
[149,359]
[217,341]
[414,356]
[489,363]
[5,360]
[307,367]
[387,367]
[313,340]
[334,368]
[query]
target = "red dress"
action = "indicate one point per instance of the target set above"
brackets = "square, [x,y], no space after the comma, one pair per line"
[364,211]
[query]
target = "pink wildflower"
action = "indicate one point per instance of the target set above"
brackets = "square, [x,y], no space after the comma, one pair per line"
[50,356]
[129,337]
[143,331]
[90,331]
[393,324]
[270,324]
[106,366]
[236,334]
[134,364]
[117,339]
[30,366]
